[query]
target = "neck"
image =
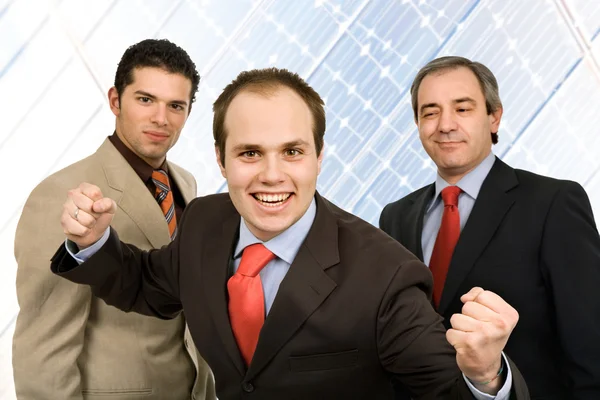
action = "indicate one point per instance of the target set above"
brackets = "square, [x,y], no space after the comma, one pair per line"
[453,175]
[154,163]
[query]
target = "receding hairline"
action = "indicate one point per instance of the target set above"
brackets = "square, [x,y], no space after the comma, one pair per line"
[266,90]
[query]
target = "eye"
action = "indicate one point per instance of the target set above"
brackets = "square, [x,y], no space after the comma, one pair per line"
[177,107]
[292,152]
[250,154]
[144,99]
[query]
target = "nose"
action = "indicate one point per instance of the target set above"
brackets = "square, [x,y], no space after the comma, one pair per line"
[271,172]
[447,122]
[159,117]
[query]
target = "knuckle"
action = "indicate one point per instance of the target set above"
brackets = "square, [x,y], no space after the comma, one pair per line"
[471,341]
[502,324]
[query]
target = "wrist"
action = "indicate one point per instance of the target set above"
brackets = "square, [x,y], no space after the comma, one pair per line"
[494,381]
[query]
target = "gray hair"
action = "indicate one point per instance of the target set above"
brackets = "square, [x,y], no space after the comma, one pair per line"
[487,80]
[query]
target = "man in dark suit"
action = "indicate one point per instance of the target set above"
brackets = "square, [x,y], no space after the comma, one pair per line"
[529,238]
[347,308]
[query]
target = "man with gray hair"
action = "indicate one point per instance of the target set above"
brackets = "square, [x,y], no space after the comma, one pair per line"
[528,238]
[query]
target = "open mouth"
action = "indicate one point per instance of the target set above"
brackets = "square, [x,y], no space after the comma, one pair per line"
[272,200]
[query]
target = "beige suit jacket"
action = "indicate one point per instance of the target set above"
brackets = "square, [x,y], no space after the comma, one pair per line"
[71,345]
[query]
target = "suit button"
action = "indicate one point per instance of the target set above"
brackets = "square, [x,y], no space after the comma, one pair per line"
[247,387]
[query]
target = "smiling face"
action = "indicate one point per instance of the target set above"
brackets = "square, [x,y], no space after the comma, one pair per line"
[151,112]
[271,163]
[453,123]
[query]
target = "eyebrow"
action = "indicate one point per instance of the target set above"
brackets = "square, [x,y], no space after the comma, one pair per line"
[464,100]
[151,96]
[295,143]
[455,101]
[286,145]
[245,147]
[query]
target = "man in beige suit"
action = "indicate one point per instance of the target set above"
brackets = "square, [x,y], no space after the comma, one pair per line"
[67,343]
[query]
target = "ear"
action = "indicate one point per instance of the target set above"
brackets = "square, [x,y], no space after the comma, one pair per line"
[113,101]
[495,118]
[221,166]
[320,159]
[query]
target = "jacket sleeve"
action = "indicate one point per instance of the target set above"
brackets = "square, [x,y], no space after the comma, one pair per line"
[412,341]
[50,326]
[130,279]
[570,260]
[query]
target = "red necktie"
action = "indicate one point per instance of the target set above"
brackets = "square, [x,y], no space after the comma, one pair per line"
[164,197]
[445,242]
[247,300]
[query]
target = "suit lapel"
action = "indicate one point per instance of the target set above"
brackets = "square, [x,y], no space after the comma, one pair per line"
[414,221]
[303,289]
[492,204]
[135,200]
[187,189]
[218,258]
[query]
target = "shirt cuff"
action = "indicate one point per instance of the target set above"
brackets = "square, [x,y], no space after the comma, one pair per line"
[503,393]
[85,254]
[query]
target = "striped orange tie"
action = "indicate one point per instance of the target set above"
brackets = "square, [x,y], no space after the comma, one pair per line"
[164,197]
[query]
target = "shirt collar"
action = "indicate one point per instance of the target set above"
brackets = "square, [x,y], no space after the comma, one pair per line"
[285,245]
[470,183]
[141,167]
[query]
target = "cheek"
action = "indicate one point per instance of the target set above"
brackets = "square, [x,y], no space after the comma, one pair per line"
[426,129]
[239,175]
[178,120]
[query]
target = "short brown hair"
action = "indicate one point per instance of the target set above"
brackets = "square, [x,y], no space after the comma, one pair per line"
[266,82]
[487,81]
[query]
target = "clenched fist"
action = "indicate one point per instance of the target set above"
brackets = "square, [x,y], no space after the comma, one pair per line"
[86,215]
[480,333]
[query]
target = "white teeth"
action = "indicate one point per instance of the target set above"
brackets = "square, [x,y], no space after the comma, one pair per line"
[273,199]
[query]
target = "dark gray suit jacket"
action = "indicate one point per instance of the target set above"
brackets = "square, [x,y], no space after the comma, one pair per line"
[352,312]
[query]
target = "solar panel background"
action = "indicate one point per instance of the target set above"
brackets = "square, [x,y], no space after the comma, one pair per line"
[57,60]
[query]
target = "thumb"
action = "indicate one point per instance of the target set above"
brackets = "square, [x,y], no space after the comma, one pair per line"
[472,294]
[104,205]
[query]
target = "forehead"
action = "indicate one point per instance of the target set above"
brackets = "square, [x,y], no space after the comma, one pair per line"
[152,79]
[281,114]
[450,84]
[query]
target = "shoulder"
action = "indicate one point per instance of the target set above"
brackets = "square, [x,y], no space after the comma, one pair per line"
[546,186]
[399,206]
[213,207]
[184,173]
[364,240]
[56,185]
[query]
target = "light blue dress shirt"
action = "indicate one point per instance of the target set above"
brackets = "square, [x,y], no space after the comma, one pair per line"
[285,246]
[470,185]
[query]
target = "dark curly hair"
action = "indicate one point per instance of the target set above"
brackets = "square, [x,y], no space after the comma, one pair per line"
[159,53]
